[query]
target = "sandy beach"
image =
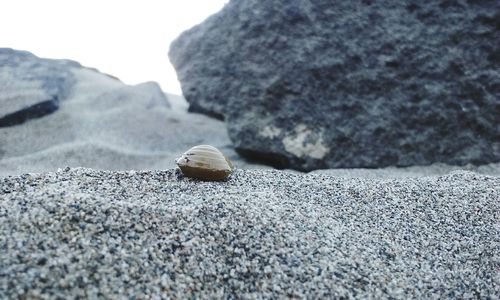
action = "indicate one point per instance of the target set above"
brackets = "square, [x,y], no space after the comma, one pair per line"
[261,234]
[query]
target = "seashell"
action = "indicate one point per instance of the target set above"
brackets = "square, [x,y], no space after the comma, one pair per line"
[205,162]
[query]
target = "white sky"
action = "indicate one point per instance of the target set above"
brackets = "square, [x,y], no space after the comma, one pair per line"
[128,39]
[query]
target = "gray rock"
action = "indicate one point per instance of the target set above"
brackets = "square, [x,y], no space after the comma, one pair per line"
[31,87]
[329,84]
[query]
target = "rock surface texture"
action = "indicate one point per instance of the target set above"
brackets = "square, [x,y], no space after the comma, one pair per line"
[328,84]
[31,87]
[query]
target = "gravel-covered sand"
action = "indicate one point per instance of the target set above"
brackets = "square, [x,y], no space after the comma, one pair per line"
[261,234]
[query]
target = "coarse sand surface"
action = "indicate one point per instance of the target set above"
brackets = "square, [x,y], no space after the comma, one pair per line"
[261,234]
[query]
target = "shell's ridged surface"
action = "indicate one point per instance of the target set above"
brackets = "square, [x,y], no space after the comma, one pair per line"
[205,162]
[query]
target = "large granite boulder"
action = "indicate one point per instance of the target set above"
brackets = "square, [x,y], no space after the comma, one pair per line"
[31,87]
[326,84]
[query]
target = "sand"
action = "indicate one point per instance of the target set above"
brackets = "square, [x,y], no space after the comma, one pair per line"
[262,234]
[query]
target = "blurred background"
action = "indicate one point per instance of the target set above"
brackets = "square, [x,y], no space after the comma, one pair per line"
[288,84]
[127,39]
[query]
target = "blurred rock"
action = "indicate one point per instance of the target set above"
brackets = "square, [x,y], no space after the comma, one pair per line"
[178,102]
[343,84]
[31,87]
